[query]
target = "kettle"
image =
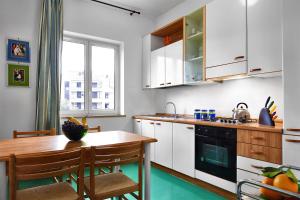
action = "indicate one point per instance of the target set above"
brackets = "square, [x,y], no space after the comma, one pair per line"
[241,113]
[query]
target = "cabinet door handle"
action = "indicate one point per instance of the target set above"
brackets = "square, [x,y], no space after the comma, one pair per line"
[255,69]
[257,152]
[138,121]
[158,124]
[257,167]
[189,127]
[147,86]
[162,84]
[151,122]
[239,57]
[169,83]
[292,141]
[258,138]
[293,129]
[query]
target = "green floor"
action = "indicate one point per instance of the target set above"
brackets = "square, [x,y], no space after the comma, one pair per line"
[163,186]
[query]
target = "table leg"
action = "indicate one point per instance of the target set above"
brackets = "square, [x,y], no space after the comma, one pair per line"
[3,181]
[147,171]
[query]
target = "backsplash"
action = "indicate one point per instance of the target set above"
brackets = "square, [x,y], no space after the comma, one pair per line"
[223,96]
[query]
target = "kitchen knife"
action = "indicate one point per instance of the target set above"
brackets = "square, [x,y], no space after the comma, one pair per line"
[271,104]
[267,102]
[273,114]
[273,108]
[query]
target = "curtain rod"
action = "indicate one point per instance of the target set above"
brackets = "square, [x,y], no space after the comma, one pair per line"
[119,7]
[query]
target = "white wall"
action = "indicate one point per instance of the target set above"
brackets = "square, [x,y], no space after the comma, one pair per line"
[222,97]
[19,18]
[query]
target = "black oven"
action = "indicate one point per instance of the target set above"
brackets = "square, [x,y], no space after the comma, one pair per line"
[215,151]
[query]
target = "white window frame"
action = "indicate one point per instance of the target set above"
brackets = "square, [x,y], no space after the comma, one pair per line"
[88,111]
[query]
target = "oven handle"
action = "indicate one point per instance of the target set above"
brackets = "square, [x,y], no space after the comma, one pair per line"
[203,136]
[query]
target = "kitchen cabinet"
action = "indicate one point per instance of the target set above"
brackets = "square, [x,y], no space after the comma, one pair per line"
[291,146]
[184,149]
[167,65]
[158,68]
[174,64]
[137,126]
[146,70]
[291,82]
[264,20]
[148,131]
[163,147]
[194,47]
[226,37]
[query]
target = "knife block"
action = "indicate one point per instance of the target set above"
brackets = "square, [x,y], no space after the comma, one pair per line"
[265,118]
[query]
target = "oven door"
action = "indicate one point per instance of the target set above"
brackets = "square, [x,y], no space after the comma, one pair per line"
[216,156]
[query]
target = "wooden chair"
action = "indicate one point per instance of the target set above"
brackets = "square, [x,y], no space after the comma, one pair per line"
[114,184]
[38,166]
[22,134]
[94,129]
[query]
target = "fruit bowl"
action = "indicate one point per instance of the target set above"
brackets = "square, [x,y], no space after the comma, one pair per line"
[73,131]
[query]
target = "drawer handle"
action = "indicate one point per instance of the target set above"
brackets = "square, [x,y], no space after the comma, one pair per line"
[293,141]
[257,138]
[162,84]
[255,70]
[147,86]
[138,121]
[239,57]
[293,129]
[158,124]
[151,122]
[189,127]
[169,83]
[257,152]
[257,167]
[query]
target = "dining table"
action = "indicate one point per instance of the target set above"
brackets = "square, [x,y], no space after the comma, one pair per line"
[43,144]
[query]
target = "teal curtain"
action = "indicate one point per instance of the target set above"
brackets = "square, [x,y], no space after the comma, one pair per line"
[49,62]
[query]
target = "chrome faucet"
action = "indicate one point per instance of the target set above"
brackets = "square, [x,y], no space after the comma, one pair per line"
[175,116]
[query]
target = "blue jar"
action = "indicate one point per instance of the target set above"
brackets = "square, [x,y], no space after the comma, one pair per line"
[204,115]
[212,114]
[197,114]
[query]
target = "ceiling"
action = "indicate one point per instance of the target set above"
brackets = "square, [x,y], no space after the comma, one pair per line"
[151,8]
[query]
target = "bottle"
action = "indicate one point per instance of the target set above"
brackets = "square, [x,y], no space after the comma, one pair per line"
[212,115]
[197,114]
[204,115]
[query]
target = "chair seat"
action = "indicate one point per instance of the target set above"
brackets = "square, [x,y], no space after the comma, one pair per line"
[110,185]
[57,191]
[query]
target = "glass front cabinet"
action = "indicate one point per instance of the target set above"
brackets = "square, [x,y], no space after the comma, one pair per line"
[194,47]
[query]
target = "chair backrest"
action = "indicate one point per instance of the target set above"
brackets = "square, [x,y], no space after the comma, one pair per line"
[111,156]
[22,134]
[94,129]
[45,165]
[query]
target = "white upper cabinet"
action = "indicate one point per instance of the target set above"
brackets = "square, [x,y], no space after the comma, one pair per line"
[264,36]
[146,70]
[226,34]
[158,68]
[174,63]
[163,147]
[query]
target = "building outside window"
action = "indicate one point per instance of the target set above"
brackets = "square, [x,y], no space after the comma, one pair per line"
[85,83]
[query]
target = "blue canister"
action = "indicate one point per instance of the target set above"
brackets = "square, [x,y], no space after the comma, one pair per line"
[204,115]
[212,114]
[197,114]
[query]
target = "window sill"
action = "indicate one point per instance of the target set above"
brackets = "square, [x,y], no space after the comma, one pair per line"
[92,116]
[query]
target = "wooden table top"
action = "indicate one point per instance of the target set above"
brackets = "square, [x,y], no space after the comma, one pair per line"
[60,142]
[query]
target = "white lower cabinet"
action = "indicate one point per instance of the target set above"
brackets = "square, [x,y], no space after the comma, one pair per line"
[137,126]
[184,149]
[290,148]
[163,147]
[148,131]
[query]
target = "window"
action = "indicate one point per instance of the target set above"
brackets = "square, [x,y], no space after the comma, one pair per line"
[94,95]
[90,68]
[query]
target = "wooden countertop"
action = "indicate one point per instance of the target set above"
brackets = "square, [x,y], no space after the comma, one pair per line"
[60,142]
[245,126]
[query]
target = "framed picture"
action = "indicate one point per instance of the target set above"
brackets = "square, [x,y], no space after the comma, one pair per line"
[18,51]
[18,75]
